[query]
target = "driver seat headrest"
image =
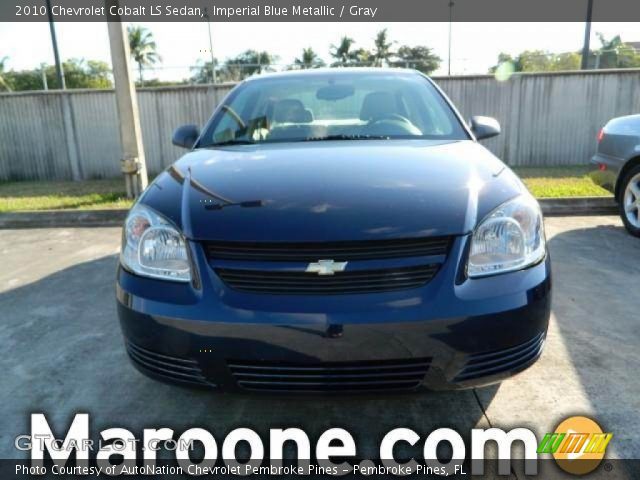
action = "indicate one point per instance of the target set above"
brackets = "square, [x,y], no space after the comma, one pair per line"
[378,105]
[291,110]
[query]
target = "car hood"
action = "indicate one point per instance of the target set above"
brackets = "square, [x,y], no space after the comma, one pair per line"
[338,190]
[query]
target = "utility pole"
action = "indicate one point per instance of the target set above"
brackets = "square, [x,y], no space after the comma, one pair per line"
[450,22]
[133,163]
[54,43]
[587,37]
[43,72]
[213,60]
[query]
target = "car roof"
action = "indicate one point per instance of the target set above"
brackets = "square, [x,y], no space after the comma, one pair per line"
[309,72]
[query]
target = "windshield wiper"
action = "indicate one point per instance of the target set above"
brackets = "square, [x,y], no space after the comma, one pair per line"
[346,137]
[240,141]
[236,141]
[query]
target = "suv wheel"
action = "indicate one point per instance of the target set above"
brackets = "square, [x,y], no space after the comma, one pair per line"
[629,203]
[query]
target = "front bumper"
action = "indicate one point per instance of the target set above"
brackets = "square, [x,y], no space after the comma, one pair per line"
[452,333]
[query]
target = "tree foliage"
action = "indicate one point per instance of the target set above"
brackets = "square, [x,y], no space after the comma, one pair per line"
[203,72]
[143,48]
[309,59]
[236,68]
[613,53]
[246,64]
[78,73]
[421,58]
[382,53]
[539,61]
[342,52]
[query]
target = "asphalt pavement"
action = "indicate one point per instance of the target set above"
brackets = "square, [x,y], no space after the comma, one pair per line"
[62,352]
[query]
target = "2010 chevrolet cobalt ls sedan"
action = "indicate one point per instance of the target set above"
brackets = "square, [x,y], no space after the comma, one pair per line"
[335,230]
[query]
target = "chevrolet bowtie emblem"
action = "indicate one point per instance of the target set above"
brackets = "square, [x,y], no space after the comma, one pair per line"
[326,267]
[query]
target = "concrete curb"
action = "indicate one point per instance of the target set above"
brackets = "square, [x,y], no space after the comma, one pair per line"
[115,217]
[576,206]
[63,218]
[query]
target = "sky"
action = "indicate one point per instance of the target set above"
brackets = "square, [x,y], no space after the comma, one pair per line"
[475,46]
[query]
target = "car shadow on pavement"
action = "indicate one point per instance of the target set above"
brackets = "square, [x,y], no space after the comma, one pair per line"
[64,354]
[596,303]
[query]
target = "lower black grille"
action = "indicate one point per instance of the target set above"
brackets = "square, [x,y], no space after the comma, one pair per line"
[331,376]
[173,368]
[304,283]
[509,359]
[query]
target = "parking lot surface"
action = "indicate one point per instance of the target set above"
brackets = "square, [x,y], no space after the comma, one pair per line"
[63,353]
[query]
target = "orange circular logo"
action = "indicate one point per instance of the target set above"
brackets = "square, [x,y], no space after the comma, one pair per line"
[581,445]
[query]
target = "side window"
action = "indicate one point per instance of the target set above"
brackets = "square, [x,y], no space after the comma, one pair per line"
[225,130]
[228,127]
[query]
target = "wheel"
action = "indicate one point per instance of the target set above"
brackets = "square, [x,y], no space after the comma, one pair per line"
[629,203]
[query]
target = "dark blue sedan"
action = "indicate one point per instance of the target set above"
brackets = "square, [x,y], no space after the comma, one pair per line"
[335,231]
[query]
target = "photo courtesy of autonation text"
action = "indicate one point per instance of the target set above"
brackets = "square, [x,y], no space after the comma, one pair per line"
[320,239]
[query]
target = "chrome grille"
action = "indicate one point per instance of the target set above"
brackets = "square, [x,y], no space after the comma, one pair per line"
[348,282]
[330,376]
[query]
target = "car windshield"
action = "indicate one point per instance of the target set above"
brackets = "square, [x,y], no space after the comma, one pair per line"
[333,106]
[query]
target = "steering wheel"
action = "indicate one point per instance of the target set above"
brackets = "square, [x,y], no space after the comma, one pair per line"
[392,117]
[386,124]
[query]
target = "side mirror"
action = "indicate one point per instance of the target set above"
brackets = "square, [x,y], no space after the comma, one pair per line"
[185,136]
[484,127]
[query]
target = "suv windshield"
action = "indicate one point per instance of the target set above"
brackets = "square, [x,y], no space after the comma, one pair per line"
[333,106]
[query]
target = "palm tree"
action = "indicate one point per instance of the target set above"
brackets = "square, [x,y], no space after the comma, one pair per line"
[342,52]
[3,83]
[309,59]
[143,48]
[382,52]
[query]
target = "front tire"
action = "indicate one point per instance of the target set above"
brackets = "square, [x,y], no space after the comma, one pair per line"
[629,203]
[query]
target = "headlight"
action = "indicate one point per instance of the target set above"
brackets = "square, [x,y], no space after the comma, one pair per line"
[152,247]
[509,238]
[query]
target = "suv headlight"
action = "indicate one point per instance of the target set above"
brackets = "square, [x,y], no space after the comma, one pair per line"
[509,238]
[153,247]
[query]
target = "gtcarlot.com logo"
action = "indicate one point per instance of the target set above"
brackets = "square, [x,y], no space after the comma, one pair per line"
[578,446]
